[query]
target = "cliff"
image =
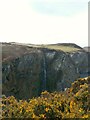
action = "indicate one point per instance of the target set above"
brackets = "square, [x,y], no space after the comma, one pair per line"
[30,69]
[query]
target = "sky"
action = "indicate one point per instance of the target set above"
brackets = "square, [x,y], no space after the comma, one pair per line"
[44,21]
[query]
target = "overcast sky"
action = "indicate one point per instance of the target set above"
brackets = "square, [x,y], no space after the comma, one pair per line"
[44,21]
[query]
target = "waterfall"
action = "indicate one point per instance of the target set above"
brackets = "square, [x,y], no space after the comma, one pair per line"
[44,74]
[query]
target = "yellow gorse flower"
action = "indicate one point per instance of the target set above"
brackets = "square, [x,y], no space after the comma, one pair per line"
[80,110]
[67,104]
[42,115]
[47,109]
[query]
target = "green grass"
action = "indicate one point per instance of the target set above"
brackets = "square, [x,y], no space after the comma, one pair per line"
[66,47]
[59,47]
[63,48]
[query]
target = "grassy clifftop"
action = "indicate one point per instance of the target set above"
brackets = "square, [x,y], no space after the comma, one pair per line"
[66,47]
[14,50]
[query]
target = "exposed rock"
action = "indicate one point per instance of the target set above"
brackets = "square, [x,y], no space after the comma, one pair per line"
[28,70]
[81,61]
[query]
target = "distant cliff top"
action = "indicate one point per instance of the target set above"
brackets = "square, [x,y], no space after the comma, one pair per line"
[66,47]
[14,50]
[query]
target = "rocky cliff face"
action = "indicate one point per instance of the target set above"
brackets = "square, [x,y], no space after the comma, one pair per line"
[81,61]
[28,70]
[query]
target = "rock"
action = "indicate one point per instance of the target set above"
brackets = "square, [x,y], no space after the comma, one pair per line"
[29,70]
[81,61]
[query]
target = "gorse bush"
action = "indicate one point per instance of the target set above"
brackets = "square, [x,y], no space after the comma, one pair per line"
[72,103]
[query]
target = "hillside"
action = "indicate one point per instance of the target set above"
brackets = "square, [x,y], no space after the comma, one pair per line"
[14,50]
[66,47]
[10,50]
[41,67]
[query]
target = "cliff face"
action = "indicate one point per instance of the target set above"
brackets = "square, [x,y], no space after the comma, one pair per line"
[81,61]
[27,71]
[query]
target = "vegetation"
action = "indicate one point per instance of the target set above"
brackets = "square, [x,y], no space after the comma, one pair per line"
[72,103]
[14,50]
[62,47]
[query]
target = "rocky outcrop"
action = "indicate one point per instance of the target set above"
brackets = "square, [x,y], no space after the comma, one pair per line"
[27,71]
[81,60]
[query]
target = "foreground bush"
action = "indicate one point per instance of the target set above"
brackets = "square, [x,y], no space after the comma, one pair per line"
[72,103]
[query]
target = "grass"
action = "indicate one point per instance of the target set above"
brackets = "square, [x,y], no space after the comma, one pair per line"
[10,51]
[58,47]
[63,48]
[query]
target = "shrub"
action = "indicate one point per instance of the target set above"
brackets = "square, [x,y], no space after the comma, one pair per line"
[72,103]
